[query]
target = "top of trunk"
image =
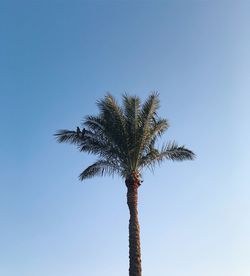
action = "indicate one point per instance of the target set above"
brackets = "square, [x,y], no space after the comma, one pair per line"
[133,180]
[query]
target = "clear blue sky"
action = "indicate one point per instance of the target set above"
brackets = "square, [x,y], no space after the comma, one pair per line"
[57,59]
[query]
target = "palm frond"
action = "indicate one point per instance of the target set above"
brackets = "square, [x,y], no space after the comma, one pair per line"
[148,117]
[101,147]
[111,111]
[112,122]
[157,129]
[108,109]
[99,143]
[95,123]
[176,153]
[100,168]
[68,136]
[170,151]
[150,107]
[131,106]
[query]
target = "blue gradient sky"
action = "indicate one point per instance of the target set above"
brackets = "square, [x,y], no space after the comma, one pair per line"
[57,59]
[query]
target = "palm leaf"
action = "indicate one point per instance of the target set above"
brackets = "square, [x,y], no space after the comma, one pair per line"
[68,136]
[100,168]
[176,153]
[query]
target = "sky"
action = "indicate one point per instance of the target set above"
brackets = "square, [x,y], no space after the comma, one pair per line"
[57,58]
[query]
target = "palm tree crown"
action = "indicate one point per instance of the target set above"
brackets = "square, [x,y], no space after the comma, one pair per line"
[124,137]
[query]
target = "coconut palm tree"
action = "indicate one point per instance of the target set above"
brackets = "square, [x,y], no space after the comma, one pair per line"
[124,139]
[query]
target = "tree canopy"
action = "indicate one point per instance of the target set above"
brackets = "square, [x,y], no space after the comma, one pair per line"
[124,137]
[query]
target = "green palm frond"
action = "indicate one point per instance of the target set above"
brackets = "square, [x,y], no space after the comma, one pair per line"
[149,110]
[131,113]
[111,112]
[101,147]
[148,120]
[100,168]
[95,123]
[170,151]
[113,122]
[68,136]
[104,140]
[176,153]
[131,109]
[157,129]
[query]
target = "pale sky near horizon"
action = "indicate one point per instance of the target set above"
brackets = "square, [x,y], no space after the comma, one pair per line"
[57,58]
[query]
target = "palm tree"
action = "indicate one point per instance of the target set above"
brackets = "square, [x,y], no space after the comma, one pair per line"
[124,139]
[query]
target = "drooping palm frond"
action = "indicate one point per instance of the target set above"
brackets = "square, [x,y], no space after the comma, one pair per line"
[174,152]
[95,124]
[101,168]
[170,151]
[102,147]
[157,129]
[68,136]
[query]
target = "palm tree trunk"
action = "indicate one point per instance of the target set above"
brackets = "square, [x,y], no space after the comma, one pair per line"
[134,231]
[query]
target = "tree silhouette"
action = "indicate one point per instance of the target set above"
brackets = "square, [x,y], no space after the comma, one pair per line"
[124,139]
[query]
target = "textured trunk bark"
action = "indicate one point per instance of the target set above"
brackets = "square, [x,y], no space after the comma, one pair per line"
[134,231]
